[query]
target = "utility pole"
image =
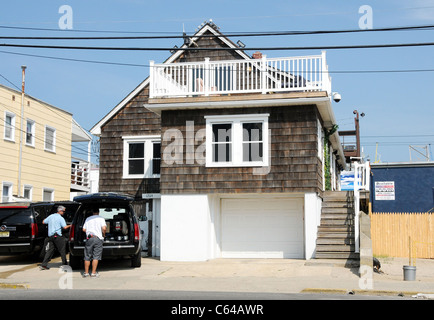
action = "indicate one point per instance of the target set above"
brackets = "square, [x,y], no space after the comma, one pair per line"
[20,159]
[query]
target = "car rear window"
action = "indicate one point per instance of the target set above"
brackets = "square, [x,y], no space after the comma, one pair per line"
[109,213]
[15,215]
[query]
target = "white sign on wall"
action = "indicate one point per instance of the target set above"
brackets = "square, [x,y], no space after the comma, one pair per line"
[385,190]
[151,195]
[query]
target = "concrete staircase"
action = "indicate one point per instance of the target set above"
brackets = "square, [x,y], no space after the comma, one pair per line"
[336,232]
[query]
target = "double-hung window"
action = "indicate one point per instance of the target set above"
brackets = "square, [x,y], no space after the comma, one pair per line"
[142,157]
[50,139]
[30,133]
[9,133]
[237,140]
[221,145]
[28,192]
[47,194]
[156,157]
[6,192]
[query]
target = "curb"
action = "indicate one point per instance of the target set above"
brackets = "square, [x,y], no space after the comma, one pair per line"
[363,292]
[13,286]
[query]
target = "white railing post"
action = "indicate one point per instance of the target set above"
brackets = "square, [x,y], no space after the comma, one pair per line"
[367,176]
[207,82]
[264,74]
[325,77]
[151,79]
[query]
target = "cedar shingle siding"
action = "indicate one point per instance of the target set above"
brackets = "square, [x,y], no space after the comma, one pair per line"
[132,120]
[295,166]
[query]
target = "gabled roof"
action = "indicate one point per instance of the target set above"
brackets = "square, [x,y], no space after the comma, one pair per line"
[207,27]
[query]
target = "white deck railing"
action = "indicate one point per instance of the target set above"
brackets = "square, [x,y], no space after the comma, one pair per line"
[308,73]
[80,170]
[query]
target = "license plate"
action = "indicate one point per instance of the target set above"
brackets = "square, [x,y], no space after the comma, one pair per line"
[4,234]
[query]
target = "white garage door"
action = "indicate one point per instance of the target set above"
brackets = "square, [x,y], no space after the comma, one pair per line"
[262,228]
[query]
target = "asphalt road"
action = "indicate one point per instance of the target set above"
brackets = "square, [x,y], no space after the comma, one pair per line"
[39,294]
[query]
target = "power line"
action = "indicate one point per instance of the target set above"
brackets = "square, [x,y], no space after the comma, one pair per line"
[76,60]
[79,30]
[147,66]
[10,82]
[240,34]
[381,71]
[400,136]
[369,46]
[34,100]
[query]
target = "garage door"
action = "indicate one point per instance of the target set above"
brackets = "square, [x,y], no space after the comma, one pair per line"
[262,228]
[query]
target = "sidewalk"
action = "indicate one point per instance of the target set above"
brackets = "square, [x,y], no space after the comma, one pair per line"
[231,275]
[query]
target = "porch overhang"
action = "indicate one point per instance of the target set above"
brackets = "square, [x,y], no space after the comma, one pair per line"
[319,98]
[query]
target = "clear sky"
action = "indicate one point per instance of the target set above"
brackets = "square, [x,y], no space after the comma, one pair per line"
[398,106]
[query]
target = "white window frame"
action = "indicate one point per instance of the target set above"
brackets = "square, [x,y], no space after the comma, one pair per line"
[32,132]
[51,190]
[54,139]
[148,142]
[237,122]
[9,196]
[30,188]
[11,126]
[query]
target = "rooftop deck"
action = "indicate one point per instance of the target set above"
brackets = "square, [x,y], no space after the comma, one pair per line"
[260,76]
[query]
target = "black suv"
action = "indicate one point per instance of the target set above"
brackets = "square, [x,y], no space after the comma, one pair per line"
[21,227]
[123,236]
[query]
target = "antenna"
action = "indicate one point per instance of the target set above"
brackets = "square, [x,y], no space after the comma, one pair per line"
[421,153]
[184,35]
[377,155]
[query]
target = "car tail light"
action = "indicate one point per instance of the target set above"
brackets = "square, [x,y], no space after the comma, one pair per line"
[34,227]
[136,232]
[71,232]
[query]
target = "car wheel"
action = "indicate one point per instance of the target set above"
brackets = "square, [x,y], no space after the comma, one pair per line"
[74,262]
[136,260]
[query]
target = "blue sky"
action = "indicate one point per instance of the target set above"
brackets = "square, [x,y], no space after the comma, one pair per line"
[398,107]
